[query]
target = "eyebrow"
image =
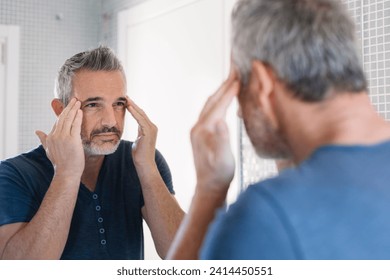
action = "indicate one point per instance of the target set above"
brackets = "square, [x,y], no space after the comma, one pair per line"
[122,99]
[91,99]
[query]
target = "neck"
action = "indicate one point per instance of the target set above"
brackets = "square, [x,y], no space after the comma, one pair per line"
[91,171]
[344,119]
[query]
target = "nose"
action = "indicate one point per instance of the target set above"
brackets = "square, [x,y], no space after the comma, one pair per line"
[108,118]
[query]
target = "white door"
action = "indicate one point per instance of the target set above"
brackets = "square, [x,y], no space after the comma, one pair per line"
[176,53]
[9,90]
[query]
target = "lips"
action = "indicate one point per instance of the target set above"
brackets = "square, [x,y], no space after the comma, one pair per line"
[107,135]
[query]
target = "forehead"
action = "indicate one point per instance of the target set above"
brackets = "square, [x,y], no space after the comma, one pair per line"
[104,84]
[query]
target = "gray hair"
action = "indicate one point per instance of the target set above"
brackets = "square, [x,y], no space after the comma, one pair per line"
[310,44]
[99,59]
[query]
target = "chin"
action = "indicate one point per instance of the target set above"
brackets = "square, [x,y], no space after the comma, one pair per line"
[100,150]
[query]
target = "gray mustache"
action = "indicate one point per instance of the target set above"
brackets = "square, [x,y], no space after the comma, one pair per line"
[106,130]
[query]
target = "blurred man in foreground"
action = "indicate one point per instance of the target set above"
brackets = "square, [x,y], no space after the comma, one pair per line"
[302,95]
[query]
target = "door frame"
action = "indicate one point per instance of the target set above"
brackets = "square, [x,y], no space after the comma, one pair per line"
[11,33]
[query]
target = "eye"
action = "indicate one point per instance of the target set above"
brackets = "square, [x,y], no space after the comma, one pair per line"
[91,105]
[120,104]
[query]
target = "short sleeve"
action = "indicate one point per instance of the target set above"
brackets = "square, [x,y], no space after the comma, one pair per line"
[17,203]
[165,172]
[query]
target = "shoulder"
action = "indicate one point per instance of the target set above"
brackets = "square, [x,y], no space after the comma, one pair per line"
[256,226]
[24,180]
[34,159]
[26,169]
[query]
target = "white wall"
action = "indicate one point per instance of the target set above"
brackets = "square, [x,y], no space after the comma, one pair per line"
[9,90]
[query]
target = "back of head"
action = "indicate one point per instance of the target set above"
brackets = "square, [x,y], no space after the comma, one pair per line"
[310,44]
[99,59]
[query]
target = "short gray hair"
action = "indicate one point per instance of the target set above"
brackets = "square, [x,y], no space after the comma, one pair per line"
[99,59]
[310,44]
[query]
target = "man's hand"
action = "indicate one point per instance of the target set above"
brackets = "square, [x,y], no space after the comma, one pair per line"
[63,144]
[212,153]
[45,235]
[145,144]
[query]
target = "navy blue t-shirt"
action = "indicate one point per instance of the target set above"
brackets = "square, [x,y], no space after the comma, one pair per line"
[335,205]
[106,224]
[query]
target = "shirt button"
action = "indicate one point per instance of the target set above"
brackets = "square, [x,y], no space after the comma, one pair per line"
[103,242]
[98,208]
[94,196]
[100,220]
[101,230]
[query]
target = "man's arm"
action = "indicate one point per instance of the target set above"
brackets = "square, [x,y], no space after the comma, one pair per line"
[45,236]
[161,211]
[214,165]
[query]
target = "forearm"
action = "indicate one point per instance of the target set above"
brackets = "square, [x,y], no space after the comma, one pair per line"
[193,229]
[45,236]
[161,211]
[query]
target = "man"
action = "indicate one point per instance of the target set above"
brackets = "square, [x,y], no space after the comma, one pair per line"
[302,95]
[84,192]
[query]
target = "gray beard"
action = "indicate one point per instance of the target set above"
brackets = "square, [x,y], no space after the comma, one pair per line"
[92,150]
[267,142]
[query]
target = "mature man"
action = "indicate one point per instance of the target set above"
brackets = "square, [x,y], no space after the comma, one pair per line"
[84,192]
[302,95]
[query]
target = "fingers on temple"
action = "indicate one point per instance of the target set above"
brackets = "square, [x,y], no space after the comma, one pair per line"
[70,112]
[233,73]
[76,126]
[225,90]
[218,106]
[227,98]
[63,115]
[138,114]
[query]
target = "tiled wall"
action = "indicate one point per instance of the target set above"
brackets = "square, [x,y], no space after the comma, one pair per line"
[373,31]
[376,51]
[50,32]
[372,19]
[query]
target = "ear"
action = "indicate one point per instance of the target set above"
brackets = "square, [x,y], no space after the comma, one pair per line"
[263,79]
[57,106]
